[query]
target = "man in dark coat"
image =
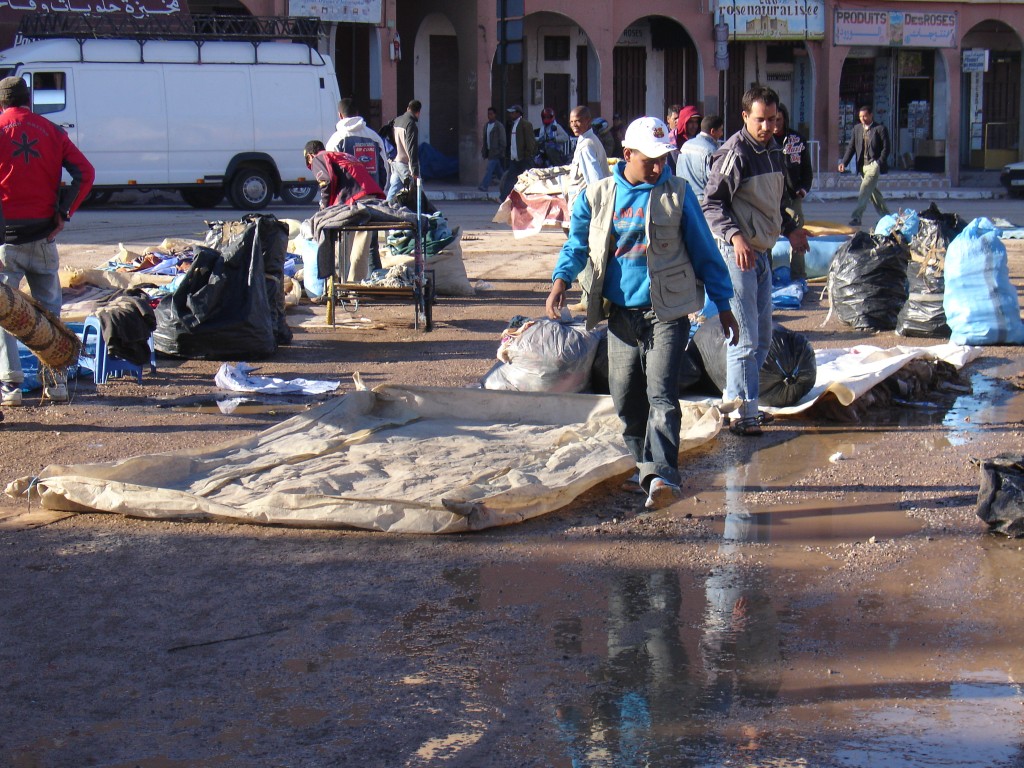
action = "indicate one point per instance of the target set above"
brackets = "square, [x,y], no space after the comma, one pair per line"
[870,143]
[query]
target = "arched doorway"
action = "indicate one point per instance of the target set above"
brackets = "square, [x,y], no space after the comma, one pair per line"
[990,126]
[655,64]
[437,78]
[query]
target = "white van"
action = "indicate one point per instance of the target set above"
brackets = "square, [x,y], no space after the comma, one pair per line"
[203,117]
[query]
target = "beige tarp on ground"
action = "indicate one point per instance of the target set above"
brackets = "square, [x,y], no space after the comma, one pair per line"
[415,460]
[418,459]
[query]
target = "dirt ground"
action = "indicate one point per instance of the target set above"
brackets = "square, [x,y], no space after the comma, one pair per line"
[791,610]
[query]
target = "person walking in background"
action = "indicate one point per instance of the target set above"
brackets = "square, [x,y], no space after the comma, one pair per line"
[406,165]
[694,161]
[743,207]
[799,172]
[33,154]
[354,137]
[589,161]
[522,146]
[649,286]
[870,143]
[553,141]
[493,149]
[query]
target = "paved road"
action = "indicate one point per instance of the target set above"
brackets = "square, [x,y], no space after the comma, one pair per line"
[147,224]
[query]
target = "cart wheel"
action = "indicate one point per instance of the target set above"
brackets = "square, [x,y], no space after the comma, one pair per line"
[428,305]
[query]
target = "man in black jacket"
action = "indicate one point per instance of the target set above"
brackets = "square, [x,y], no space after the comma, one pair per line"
[870,142]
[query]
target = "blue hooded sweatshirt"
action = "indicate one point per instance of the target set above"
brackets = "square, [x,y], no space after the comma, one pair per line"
[627,282]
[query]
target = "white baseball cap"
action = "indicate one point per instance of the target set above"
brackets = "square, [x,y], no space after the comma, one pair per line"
[648,135]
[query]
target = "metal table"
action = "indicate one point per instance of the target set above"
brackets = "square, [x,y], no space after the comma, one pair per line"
[341,294]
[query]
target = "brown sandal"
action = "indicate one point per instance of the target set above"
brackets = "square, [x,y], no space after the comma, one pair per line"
[748,427]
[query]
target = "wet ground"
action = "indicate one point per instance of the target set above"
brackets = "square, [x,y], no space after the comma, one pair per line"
[824,596]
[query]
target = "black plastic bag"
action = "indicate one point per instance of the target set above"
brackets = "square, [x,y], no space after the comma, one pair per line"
[220,310]
[265,232]
[1001,494]
[789,370]
[868,281]
[923,314]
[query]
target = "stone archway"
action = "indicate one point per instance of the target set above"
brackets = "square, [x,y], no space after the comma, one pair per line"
[656,63]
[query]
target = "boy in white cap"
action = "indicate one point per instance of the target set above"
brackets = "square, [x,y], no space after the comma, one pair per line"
[645,238]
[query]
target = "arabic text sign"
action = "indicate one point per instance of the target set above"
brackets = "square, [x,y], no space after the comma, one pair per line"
[366,11]
[137,8]
[774,19]
[911,29]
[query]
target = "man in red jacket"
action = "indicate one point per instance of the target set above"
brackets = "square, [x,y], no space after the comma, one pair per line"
[344,180]
[32,153]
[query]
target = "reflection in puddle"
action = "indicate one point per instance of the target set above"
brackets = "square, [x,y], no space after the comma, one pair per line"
[924,732]
[990,403]
[240,406]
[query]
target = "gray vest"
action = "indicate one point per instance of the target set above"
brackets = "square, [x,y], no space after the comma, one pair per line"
[675,290]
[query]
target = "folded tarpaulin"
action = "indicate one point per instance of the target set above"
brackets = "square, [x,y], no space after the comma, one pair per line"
[411,460]
[847,373]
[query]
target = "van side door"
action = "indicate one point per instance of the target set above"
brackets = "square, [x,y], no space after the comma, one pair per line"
[53,96]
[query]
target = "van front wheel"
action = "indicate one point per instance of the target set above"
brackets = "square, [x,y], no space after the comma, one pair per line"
[251,189]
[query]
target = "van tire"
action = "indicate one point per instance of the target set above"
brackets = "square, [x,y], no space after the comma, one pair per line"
[300,195]
[251,189]
[98,197]
[202,197]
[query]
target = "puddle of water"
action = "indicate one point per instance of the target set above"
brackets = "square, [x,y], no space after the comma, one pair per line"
[753,496]
[991,403]
[240,406]
[746,664]
[925,733]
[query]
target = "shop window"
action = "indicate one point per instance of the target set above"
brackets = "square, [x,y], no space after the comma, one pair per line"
[779,54]
[556,47]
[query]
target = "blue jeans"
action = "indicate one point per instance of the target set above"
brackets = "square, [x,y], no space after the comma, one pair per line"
[396,182]
[752,306]
[38,263]
[644,358]
[493,172]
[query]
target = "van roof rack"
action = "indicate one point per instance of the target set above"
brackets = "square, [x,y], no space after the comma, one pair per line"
[198,28]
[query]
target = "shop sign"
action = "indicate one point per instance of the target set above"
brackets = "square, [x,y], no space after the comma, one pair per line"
[909,29]
[773,19]
[975,60]
[139,9]
[365,11]
[637,35]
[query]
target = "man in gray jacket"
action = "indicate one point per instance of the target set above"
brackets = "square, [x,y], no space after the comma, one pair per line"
[743,206]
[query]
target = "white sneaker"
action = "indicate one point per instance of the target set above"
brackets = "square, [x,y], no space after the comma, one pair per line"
[57,393]
[662,493]
[10,394]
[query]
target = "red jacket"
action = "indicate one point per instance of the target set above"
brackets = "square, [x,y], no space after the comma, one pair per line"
[32,153]
[342,179]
